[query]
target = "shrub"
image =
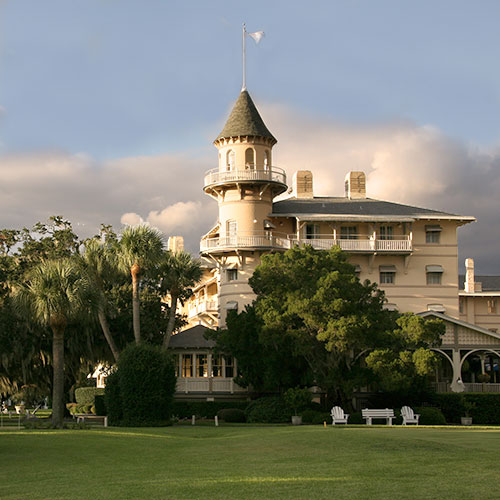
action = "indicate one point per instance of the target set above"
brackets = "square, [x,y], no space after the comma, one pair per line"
[112,399]
[297,399]
[320,417]
[430,416]
[268,410]
[356,418]
[146,383]
[231,415]
[100,405]
[86,395]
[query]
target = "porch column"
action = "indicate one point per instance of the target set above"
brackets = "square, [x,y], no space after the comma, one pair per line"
[457,385]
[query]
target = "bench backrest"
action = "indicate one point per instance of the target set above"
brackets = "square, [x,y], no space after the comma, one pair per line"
[338,412]
[368,412]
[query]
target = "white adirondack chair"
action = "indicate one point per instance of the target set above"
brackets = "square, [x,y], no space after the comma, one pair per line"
[408,416]
[338,415]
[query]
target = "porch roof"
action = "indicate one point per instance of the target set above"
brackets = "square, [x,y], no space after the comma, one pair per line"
[192,338]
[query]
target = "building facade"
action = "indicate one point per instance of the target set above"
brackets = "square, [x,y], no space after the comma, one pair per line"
[411,252]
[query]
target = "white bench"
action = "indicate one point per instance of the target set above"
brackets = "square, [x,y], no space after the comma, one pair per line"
[408,416]
[386,413]
[338,415]
[82,418]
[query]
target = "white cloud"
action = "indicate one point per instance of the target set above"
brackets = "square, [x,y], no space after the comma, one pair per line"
[404,162]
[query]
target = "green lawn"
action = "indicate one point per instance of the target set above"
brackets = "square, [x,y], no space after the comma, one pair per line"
[242,462]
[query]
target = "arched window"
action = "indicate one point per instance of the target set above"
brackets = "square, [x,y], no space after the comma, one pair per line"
[230,160]
[267,160]
[249,158]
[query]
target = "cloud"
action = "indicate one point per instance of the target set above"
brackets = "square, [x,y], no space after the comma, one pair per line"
[404,162]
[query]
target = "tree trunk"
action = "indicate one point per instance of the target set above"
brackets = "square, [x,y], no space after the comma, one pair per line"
[136,314]
[107,334]
[171,321]
[58,376]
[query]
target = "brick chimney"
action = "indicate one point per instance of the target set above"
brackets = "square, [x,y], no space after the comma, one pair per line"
[303,184]
[355,185]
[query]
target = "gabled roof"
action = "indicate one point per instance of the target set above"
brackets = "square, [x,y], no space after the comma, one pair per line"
[341,207]
[470,326]
[488,283]
[245,120]
[192,338]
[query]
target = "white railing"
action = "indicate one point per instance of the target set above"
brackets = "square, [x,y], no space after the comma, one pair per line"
[282,241]
[468,387]
[362,244]
[207,385]
[273,174]
[203,307]
[245,241]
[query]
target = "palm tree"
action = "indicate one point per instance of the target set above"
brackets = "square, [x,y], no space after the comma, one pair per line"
[99,263]
[55,292]
[140,250]
[179,272]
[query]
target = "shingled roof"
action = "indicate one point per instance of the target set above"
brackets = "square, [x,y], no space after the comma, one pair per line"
[192,338]
[345,207]
[245,120]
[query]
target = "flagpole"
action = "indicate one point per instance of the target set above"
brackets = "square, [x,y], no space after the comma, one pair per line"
[244,85]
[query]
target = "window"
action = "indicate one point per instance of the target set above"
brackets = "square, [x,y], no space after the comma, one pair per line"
[267,160]
[201,365]
[312,231]
[232,227]
[229,366]
[187,365]
[349,233]
[461,304]
[436,307]
[357,270]
[434,274]
[216,366]
[387,275]
[386,233]
[232,274]
[387,278]
[433,234]
[230,160]
[492,306]
[249,158]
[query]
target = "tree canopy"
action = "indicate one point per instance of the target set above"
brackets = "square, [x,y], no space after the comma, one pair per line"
[312,311]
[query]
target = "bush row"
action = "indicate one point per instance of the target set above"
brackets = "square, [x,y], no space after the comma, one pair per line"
[204,409]
[485,410]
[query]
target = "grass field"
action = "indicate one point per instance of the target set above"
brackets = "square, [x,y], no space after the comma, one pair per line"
[244,462]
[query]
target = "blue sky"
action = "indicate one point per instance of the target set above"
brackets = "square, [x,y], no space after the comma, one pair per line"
[92,82]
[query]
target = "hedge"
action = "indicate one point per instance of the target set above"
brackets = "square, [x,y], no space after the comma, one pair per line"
[232,415]
[204,409]
[268,410]
[86,395]
[486,410]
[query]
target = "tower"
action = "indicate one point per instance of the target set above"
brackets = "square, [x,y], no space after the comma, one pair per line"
[244,185]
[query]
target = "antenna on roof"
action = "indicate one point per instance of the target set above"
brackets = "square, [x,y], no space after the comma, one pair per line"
[257,36]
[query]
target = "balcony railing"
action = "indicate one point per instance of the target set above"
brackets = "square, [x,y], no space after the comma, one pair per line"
[272,174]
[207,385]
[282,241]
[362,244]
[245,241]
[207,306]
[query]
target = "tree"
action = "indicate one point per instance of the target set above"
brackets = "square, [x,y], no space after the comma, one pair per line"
[140,250]
[100,265]
[54,292]
[312,302]
[179,272]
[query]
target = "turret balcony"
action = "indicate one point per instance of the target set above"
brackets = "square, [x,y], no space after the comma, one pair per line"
[264,240]
[246,175]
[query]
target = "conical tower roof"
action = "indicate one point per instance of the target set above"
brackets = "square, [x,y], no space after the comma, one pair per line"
[245,120]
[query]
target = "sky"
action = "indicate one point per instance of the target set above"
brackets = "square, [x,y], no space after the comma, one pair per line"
[108,108]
